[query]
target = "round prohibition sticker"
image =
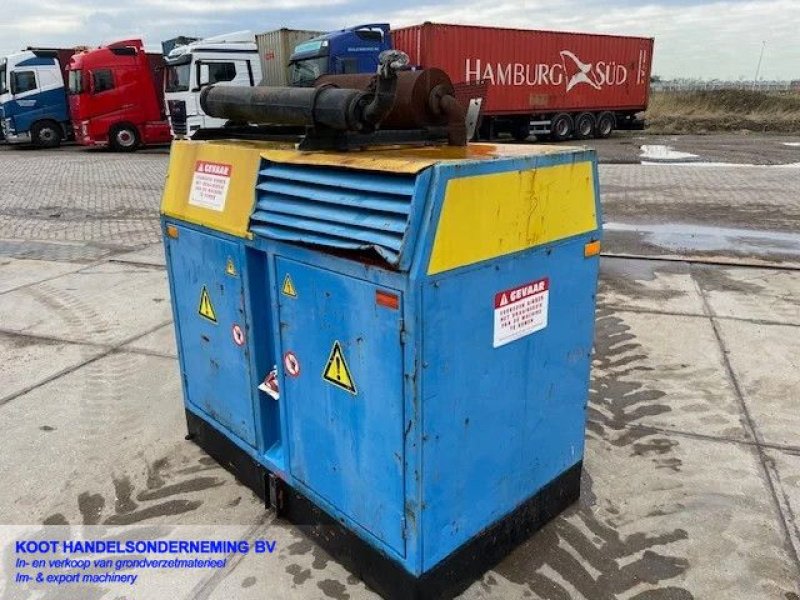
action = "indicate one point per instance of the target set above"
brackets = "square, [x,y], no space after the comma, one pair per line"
[238,335]
[291,364]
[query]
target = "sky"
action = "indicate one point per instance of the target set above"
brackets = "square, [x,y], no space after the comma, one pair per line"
[696,39]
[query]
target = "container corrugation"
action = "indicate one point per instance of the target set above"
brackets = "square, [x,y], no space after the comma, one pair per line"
[274,50]
[531,71]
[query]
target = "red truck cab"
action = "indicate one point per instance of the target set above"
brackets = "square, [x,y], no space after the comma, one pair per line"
[115,97]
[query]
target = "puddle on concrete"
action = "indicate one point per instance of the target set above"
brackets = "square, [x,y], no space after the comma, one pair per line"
[660,152]
[678,237]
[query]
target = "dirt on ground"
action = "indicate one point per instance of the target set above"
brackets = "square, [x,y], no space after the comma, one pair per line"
[723,110]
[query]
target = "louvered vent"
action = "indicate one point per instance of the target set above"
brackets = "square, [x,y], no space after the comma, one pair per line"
[338,208]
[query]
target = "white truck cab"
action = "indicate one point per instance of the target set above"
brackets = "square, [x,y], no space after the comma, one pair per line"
[229,59]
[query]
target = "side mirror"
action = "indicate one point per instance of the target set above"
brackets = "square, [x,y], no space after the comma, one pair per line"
[204,76]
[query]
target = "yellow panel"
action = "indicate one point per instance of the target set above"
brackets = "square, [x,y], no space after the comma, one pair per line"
[244,159]
[492,215]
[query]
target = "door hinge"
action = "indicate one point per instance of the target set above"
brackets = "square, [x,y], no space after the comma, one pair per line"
[403,334]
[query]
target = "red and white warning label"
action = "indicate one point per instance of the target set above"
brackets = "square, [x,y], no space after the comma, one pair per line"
[210,184]
[520,311]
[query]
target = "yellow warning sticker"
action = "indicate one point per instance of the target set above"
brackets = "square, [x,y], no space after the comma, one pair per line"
[337,372]
[230,268]
[206,309]
[288,287]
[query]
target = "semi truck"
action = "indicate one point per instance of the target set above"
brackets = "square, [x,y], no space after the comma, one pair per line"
[552,84]
[343,52]
[116,96]
[240,58]
[33,100]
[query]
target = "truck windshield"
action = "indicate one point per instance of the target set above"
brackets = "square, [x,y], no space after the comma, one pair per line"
[304,72]
[3,86]
[178,77]
[75,81]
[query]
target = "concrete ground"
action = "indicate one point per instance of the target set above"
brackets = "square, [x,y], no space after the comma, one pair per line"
[692,478]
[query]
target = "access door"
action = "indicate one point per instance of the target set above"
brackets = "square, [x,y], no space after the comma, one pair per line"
[343,392]
[213,330]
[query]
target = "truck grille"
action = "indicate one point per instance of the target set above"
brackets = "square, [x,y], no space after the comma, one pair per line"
[337,208]
[177,116]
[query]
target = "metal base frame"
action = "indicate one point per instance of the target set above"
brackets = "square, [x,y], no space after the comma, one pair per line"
[383,575]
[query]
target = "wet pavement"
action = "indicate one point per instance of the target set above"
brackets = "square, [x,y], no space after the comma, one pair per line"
[692,480]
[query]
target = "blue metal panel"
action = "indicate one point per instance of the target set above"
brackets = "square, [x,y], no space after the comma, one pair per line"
[50,104]
[500,423]
[216,371]
[346,447]
[338,208]
[36,61]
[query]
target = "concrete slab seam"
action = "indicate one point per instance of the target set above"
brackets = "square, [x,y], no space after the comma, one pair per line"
[108,350]
[786,518]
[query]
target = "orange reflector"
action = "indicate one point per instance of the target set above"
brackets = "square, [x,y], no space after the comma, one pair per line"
[387,299]
[592,248]
[172,231]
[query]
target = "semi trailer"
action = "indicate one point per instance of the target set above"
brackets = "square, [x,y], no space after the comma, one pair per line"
[115,96]
[33,100]
[547,83]
[240,58]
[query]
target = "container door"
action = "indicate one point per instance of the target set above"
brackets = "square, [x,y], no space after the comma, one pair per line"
[343,393]
[214,339]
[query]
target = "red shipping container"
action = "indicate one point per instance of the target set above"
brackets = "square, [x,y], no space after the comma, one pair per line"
[531,72]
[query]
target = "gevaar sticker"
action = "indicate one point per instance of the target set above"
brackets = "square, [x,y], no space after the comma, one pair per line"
[520,311]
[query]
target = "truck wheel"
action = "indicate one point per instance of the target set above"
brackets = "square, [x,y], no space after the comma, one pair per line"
[605,125]
[46,134]
[561,127]
[584,126]
[124,138]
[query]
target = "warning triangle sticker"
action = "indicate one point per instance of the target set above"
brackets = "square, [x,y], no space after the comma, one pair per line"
[288,287]
[206,309]
[337,372]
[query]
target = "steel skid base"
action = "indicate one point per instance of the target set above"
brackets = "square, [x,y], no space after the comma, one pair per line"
[383,575]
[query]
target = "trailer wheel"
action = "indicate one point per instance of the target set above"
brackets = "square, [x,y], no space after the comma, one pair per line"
[46,134]
[561,127]
[123,138]
[605,125]
[585,126]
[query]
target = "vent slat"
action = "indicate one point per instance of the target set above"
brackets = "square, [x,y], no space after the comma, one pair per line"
[343,178]
[335,208]
[290,235]
[338,196]
[371,220]
[363,236]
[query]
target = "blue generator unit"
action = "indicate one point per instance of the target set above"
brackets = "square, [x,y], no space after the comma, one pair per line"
[391,347]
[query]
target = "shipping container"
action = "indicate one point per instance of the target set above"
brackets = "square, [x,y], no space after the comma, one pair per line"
[274,50]
[559,84]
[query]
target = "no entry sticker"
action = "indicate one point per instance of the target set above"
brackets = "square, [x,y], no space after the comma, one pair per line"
[210,185]
[520,311]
